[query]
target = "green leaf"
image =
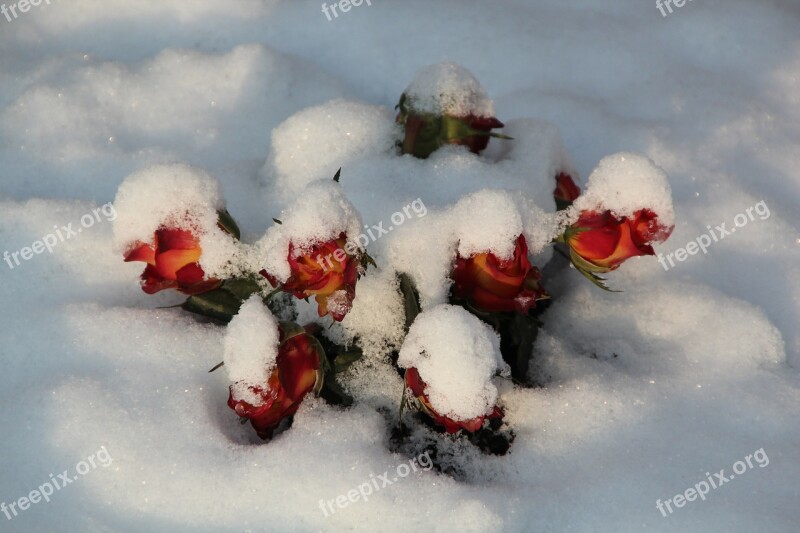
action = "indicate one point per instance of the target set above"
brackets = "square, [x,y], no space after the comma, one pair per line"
[227,223]
[410,299]
[241,288]
[334,394]
[345,360]
[219,304]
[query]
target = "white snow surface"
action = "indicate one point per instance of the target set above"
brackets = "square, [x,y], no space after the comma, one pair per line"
[685,372]
[251,349]
[457,356]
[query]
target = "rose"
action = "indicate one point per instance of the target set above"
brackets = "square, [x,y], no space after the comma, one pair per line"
[427,132]
[326,272]
[601,242]
[494,285]
[172,263]
[566,191]
[297,372]
[417,386]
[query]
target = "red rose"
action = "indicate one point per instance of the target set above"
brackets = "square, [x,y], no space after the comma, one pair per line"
[172,263]
[417,386]
[297,373]
[601,242]
[494,285]
[326,272]
[566,191]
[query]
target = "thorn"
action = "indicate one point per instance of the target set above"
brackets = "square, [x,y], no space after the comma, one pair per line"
[275,220]
[337,175]
[217,367]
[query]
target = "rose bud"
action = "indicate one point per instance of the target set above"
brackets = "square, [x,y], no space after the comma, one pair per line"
[445,104]
[427,132]
[566,191]
[325,271]
[172,263]
[297,372]
[417,386]
[601,242]
[494,285]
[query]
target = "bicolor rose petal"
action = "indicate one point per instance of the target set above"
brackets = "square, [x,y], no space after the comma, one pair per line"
[297,372]
[172,263]
[566,191]
[600,242]
[326,272]
[490,284]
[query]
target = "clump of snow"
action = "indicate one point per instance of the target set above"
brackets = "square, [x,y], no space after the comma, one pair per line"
[321,213]
[251,349]
[625,183]
[377,317]
[457,356]
[487,221]
[338,132]
[448,88]
[175,196]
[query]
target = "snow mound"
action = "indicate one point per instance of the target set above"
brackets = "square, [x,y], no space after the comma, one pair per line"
[338,132]
[626,182]
[457,356]
[448,88]
[251,349]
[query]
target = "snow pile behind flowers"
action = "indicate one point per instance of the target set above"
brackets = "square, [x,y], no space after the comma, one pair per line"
[683,373]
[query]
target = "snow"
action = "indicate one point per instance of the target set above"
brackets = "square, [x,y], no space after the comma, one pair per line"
[456,355]
[448,88]
[251,349]
[625,183]
[685,372]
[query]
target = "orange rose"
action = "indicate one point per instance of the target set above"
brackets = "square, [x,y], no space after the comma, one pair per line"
[297,373]
[601,242]
[417,386]
[172,263]
[566,191]
[493,285]
[326,272]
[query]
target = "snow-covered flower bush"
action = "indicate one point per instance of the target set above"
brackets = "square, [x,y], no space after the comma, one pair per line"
[452,303]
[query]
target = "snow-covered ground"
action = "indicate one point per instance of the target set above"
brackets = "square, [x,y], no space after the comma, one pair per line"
[650,391]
